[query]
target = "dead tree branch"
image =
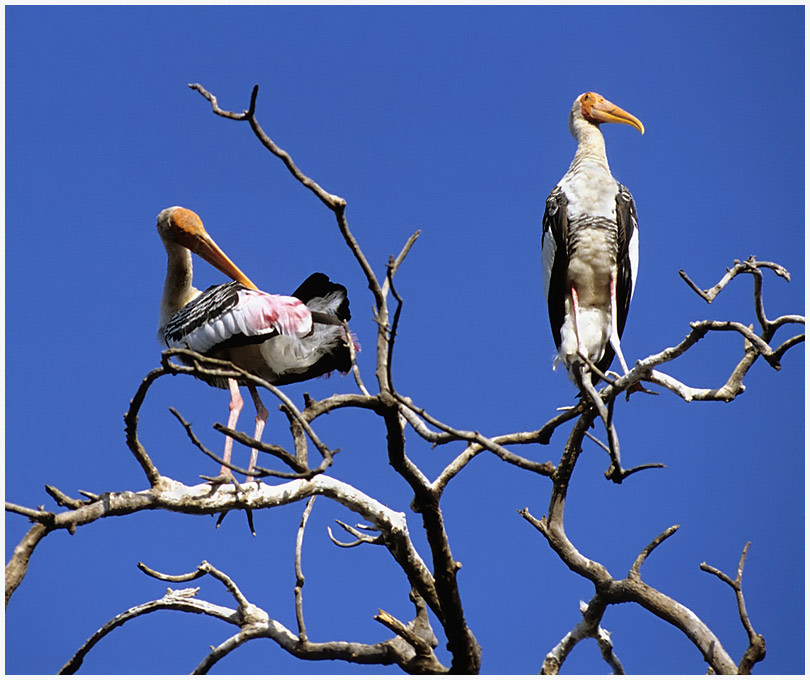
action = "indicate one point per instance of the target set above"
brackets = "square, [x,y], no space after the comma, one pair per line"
[299,574]
[460,640]
[182,600]
[632,588]
[756,345]
[589,627]
[202,500]
[200,365]
[253,622]
[756,643]
[360,537]
[131,426]
[749,266]
[17,566]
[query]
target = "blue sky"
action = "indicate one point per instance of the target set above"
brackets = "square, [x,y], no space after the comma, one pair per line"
[451,120]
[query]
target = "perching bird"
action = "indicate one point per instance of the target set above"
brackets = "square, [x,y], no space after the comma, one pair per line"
[590,245]
[282,339]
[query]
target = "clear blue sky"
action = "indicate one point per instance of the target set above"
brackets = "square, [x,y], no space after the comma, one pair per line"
[453,121]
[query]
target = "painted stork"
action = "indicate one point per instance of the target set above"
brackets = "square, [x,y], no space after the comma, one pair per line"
[282,339]
[590,245]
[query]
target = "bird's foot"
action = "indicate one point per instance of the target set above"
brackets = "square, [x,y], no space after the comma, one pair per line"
[251,478]
[248,513]
[223,478]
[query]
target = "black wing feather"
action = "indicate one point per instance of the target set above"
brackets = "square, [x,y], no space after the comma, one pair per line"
[318,285]
[555,225]
[627,221]
[207,306]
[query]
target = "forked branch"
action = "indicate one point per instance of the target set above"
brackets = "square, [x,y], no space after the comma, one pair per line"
[756,643]
[589,627]
[253,623]
[608,589]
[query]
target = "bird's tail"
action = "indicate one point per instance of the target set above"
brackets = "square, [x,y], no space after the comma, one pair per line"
[327,345]
[327,300]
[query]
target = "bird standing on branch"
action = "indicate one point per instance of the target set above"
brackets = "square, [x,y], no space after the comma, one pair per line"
[590,246]
[282,339]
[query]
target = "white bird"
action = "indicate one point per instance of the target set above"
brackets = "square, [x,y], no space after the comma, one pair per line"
[282,339]
[590,245]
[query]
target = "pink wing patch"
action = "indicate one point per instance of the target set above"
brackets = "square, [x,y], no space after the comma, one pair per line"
[260,313]
[254,314]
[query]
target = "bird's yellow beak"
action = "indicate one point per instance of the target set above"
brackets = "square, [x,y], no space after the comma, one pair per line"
[599,110]
[189,232]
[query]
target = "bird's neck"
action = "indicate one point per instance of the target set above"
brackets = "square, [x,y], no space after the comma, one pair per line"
[177,290]
[590,147]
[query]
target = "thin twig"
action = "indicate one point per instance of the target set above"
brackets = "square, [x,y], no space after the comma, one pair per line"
[264,447]
[335,203]
[485,443]
[635,570]
[421,647]
[299,574]
[208,366]
[171,578]
[131,426]
[203,569]
[195,440]
[215,106]
[756,642]
[62,499]
[173,600]
[353,357]
[392,334]
[41,516]
[749,266]
[397,261]
[360,536]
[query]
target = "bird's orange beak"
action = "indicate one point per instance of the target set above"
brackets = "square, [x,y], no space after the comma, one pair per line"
[189,232]
[599,110]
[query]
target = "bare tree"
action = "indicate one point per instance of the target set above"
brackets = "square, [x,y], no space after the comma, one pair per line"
[302,476]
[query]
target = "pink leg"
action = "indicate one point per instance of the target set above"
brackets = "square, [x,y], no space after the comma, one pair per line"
[614,326]
[233,415]
[261,419]
[575,304]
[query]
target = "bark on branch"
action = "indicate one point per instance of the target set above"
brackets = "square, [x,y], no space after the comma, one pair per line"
[756,643]
[631,589]
[253,623]
[201,499]
[589,627]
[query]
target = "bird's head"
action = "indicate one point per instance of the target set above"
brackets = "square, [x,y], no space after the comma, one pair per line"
[596,109]
[184,228]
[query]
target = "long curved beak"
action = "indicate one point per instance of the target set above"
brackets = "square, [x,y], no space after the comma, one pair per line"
[607,112]
[204,246]
[185,227]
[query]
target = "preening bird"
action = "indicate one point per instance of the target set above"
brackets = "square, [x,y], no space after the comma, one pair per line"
[282,339]
[590,245]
